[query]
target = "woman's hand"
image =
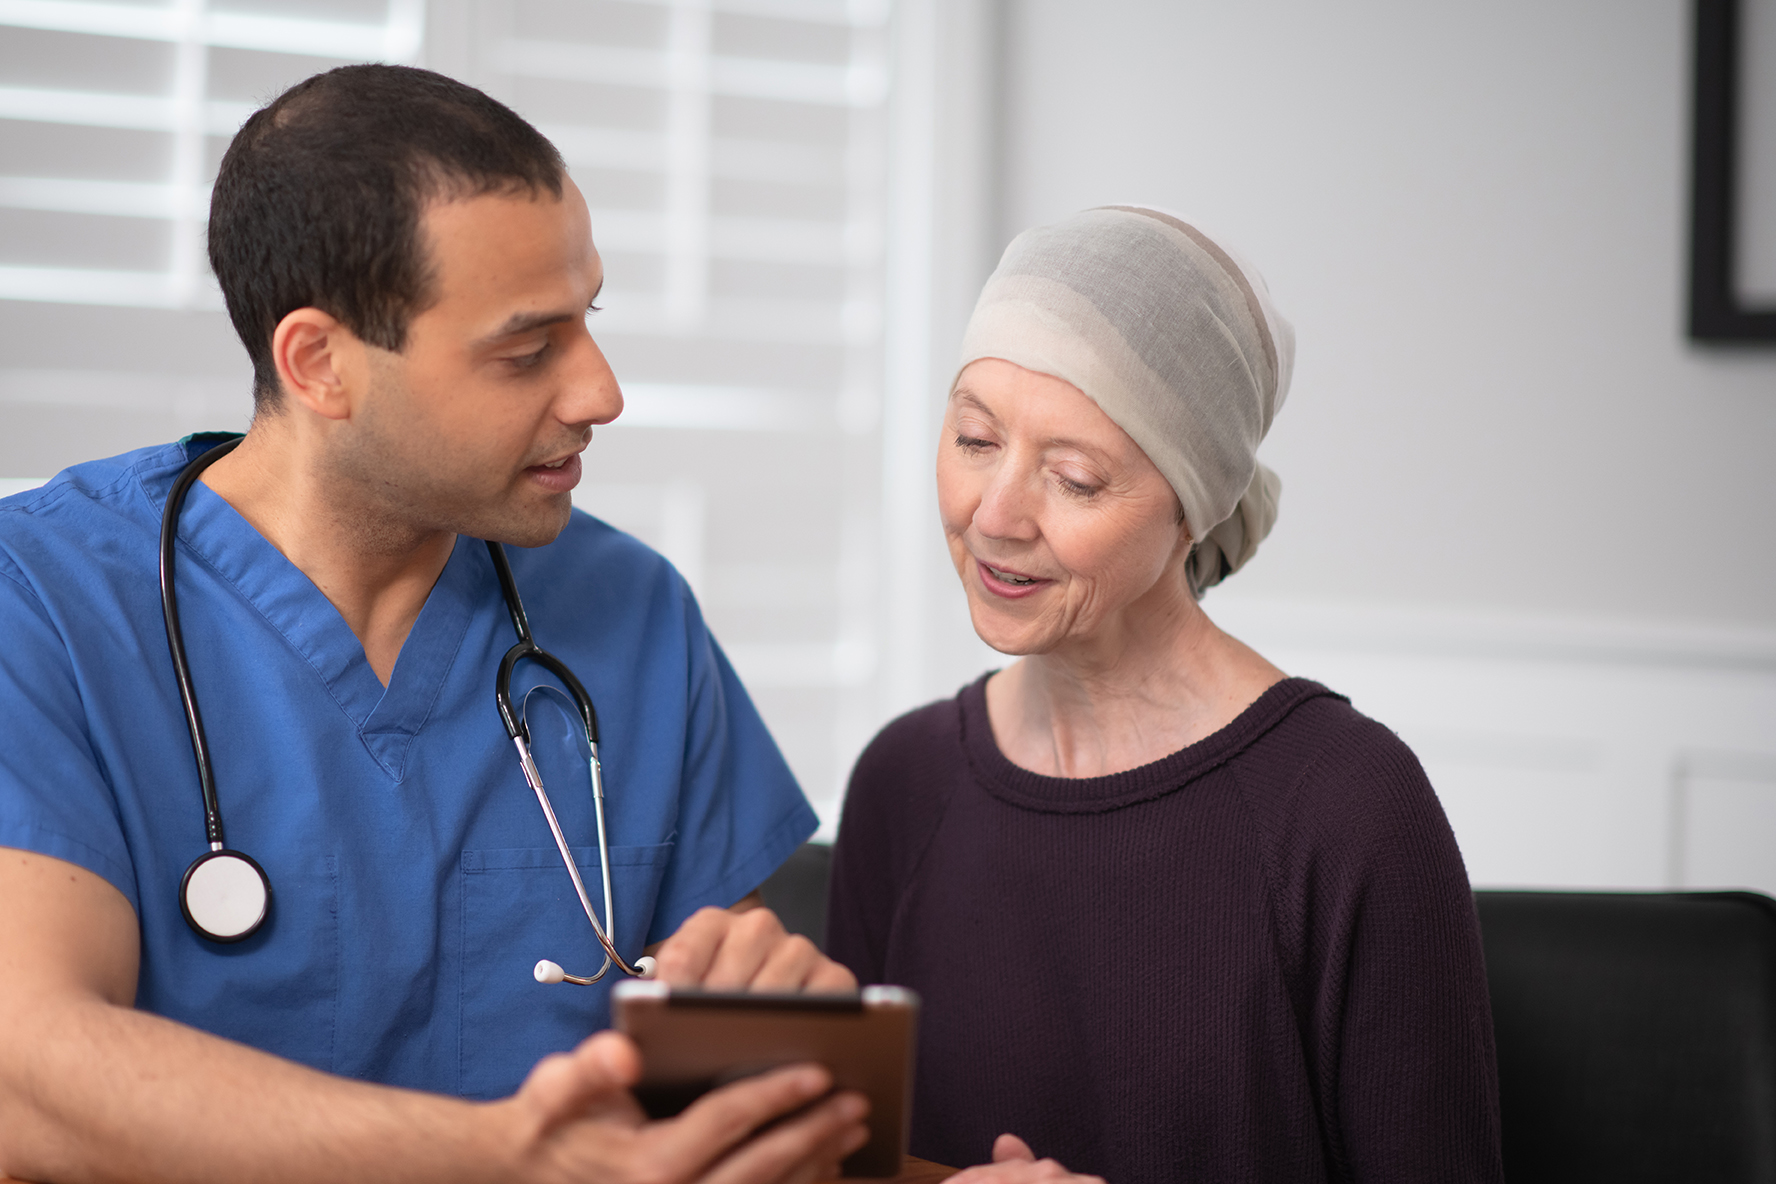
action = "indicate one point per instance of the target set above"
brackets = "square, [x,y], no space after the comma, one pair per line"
[1014,1163]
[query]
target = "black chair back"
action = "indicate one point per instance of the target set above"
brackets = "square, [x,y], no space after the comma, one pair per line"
[796,892]
[1636,1035]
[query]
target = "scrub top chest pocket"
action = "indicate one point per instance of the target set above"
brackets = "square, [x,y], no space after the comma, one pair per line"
[519,906]
[277,990]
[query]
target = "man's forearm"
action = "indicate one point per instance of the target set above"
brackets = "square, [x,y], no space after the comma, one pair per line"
[92,1091]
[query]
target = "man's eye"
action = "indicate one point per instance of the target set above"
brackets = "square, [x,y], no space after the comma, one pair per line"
[530,360]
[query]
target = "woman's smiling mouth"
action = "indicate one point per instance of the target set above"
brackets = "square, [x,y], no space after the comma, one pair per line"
[1003,581]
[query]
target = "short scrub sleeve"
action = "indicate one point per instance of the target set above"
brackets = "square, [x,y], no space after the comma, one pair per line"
[54,798]
[741,813]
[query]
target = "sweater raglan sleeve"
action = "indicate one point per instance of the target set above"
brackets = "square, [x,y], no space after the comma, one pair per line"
[860,900]
[740,811]
[893,805]
[1398,1024]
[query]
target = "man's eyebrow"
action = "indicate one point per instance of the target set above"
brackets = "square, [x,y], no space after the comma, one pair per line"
[525,322]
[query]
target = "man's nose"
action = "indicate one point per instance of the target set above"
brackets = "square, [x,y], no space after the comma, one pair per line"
[592,394]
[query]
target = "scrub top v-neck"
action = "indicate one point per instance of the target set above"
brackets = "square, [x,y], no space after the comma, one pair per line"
[414,879]
[387,719]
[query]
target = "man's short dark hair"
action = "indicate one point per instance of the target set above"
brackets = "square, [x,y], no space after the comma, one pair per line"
[319,198]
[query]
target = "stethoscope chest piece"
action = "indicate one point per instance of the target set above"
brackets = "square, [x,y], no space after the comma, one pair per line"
[225,895]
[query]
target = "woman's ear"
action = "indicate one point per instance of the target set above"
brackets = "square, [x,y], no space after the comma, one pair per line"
[313,353]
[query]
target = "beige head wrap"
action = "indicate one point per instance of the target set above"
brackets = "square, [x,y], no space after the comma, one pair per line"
[1174,337]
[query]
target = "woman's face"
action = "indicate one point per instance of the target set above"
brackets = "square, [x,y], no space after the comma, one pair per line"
[1062,530]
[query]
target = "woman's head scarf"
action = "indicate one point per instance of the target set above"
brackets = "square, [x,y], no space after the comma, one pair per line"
[1174,337]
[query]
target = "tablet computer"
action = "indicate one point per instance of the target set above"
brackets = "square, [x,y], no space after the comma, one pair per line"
[693,1041]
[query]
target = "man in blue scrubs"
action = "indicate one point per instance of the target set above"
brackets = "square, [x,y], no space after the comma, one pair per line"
[410,269]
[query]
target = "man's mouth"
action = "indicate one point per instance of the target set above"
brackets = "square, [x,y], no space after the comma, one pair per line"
[557,476]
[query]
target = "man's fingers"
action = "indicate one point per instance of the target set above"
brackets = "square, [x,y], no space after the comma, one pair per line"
[751,938]
[719,950]
[828,1160]
[830,976]
[721,1119]
[808,1148]
[1009,1146]
[564,1085]
[686,955]
[792,966]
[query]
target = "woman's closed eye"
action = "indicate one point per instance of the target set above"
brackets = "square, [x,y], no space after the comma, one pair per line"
[971,443]
[1079,489]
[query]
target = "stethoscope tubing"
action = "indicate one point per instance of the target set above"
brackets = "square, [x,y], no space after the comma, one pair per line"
[606,933]
[526,649]
[169,605]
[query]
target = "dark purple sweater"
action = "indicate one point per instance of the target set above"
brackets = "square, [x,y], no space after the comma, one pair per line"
[1254,960]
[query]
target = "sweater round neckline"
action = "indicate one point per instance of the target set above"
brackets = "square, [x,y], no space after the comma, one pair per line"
[1018,786]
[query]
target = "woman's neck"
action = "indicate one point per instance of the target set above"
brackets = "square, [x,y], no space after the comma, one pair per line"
[1125,698]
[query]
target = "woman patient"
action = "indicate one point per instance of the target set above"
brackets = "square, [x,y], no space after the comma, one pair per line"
[1174,914]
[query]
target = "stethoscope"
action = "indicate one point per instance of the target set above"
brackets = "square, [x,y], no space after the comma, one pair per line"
[226,896]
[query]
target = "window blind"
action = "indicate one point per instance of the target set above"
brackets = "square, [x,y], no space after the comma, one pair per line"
[733,156]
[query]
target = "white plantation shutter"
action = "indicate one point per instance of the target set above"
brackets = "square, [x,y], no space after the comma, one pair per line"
[733,155]
[164,83]
[112,119]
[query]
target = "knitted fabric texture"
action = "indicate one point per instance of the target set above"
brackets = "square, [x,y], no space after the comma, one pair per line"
[1254,960]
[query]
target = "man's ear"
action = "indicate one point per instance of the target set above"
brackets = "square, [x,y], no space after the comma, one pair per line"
[315,354]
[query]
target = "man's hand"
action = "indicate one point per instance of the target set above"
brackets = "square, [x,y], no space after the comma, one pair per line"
[578,1121]
[1014,1163]
[170,1103]
[735,950]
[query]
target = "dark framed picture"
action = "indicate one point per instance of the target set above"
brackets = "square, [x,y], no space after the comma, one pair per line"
[1733,173]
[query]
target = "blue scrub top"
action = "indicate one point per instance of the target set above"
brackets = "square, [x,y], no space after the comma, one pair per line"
[414,879]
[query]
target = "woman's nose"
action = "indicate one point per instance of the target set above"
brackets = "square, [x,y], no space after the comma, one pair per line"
[1006,509]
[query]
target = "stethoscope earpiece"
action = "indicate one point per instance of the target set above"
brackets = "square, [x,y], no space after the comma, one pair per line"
[551,972]
[225,895]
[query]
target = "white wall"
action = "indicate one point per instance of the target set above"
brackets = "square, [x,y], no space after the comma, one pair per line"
[1524,520]
[1475,216]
